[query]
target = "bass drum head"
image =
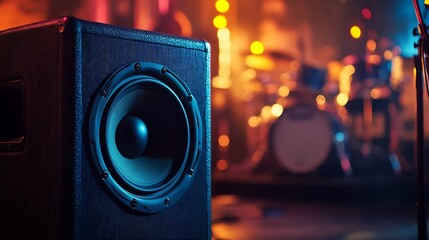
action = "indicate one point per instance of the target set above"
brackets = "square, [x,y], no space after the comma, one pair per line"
[301,139]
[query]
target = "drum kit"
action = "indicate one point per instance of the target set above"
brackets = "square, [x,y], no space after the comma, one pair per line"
[317,134]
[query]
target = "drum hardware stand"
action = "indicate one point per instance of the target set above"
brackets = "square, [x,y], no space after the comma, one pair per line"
[421,75]
[367,121]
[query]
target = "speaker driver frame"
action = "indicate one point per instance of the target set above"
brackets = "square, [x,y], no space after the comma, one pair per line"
[162,194]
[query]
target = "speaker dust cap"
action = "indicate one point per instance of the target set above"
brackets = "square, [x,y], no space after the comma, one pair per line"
[145,134]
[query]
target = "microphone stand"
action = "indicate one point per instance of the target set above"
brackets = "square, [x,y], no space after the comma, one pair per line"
[421,76]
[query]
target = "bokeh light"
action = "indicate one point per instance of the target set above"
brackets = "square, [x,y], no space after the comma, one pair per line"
[256,48]
[276,110]
[223,140]
[254,121]
[220,21]
[222,165]
[222,6]
[283,91]
[366,13]
[342,99]
[355,32]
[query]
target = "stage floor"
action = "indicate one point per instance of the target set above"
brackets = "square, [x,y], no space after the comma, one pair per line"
[247,218]
[247,208]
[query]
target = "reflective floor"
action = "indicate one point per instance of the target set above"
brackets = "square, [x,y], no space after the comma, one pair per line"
[296,214]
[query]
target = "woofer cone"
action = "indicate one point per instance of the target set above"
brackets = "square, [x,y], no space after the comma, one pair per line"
[146,136]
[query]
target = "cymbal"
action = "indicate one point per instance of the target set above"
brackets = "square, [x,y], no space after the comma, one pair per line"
[274,55]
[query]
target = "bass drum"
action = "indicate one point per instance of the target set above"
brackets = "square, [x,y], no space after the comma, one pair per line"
[305,140]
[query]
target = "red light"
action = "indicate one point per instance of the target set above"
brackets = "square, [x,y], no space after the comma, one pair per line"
[366,13]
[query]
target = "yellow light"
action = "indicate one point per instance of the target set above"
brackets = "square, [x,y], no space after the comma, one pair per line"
[320,100]
[221,82]
[349,69]
[222,165]
[223,140]
[254,121]
[220,21]
[266,113]
[224,71]
[259,62]
[256,48]
[342,99]
[334,70]
[371,45]
[355,32]
[276,110]
[225,45]
[223,34]
[222,6]
[225,58]
[283,91]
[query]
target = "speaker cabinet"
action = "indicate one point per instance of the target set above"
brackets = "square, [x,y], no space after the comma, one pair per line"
[104,133]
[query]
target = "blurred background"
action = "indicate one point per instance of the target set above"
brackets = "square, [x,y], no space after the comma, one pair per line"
[313,108]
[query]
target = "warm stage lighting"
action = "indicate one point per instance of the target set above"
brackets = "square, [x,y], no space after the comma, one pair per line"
[266,113]
[276,110]
[248,74]
[254,121]
[371,45]
[222,6]
[355,32]
[259,62]
[375,93]
[320,100]
[256,48]
[342,99]
[223,34]
[221,82]
[223,140]
[220,21]
[388,55]
[283,91]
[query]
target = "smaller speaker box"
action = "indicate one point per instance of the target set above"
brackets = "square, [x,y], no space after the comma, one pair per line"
[104,133]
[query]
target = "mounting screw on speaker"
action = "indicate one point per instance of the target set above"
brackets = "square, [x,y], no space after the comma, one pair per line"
[167,201]
[133,203]
[104,174]
[103,92]
[137,67]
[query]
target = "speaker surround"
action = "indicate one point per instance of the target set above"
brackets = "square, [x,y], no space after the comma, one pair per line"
[152,168]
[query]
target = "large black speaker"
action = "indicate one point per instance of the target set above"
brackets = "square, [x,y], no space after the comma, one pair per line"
[104,133]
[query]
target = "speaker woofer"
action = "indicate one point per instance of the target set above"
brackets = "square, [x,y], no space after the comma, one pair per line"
[145,134]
